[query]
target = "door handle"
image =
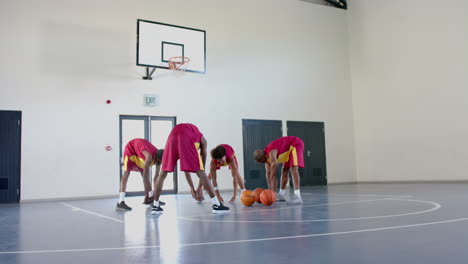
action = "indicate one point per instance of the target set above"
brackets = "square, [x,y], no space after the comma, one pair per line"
[308,153]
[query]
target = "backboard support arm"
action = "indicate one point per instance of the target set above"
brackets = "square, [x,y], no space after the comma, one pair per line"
[149,73]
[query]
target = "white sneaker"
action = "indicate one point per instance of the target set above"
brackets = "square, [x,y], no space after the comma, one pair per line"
[280,198]
[295,200]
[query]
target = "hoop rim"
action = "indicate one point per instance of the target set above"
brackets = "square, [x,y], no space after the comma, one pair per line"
[174,64]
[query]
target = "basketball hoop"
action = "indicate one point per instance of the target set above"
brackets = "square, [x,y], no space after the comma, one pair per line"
[178,63]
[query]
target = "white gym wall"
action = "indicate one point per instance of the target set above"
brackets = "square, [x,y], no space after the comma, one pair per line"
[266,59]
[409,80]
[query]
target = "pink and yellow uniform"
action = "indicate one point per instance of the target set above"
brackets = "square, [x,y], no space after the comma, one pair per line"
[290,151]
[183,143]
[229,156]
[134,160]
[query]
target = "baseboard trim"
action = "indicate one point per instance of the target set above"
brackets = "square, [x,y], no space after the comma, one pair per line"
[61,199]
[339,183]
[413,181]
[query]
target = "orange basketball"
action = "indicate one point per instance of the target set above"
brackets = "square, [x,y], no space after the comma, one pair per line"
[268,197]
[247,198]
[257,192]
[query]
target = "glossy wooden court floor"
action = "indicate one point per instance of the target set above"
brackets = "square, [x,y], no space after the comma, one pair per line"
[353,224]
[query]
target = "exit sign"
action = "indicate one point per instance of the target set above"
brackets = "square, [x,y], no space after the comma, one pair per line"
[151,100]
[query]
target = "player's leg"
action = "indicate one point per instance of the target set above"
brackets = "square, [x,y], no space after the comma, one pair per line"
[123,187]
[158,185]
[297,199]
[296,161]
[217,206]
[284,182]
[169,161]
[191,160]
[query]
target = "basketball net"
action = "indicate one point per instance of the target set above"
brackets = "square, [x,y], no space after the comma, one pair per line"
[178,63]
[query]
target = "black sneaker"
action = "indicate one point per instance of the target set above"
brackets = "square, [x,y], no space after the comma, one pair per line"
[156,210]
[220,209]
[161,203]
[123,206]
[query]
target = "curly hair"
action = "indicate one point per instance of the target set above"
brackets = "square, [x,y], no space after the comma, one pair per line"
[218,153]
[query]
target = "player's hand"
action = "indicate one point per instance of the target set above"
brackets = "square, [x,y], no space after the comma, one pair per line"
[233,199]
[200,194]
[220,199]
[194,194]
[148,200]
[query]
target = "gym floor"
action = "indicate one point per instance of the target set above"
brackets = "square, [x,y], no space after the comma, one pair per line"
[350,223]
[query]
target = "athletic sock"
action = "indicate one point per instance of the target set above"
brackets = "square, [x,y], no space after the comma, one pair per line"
[215,201]
[156,203]
[297,192]
[121,197]
[282,192]
[150,194]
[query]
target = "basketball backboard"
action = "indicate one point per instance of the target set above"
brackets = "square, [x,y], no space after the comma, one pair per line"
[157,42]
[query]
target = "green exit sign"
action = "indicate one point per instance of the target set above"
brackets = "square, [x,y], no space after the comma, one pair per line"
[151,100]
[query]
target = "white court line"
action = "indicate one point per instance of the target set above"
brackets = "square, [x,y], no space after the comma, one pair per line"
[297,206]
[134,244]
[342,194]
[436,207]
[93,213]
[237,241]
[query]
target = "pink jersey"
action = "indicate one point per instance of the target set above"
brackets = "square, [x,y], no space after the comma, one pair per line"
[229,156]
[290,151]
[134,160]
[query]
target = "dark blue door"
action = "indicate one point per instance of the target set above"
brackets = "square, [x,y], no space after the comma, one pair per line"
[10,156]
[315,165]
[257,134]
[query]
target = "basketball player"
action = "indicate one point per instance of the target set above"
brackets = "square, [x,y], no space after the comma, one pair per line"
[290,152]
[139,154]
[184,142]
[221,156]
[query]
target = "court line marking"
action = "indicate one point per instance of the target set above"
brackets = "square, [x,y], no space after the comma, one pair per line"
[436,207]
[236,241]
[297,206]
[93,213]
[343,194]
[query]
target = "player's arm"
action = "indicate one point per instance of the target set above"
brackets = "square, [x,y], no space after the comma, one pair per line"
[273,164]
[203,147]
[267,173]
[214,181]
[156,173]
[146,170]
[188,177]
[146,166]
[234,172]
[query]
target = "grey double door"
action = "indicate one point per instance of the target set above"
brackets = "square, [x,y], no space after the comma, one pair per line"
[155,129]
